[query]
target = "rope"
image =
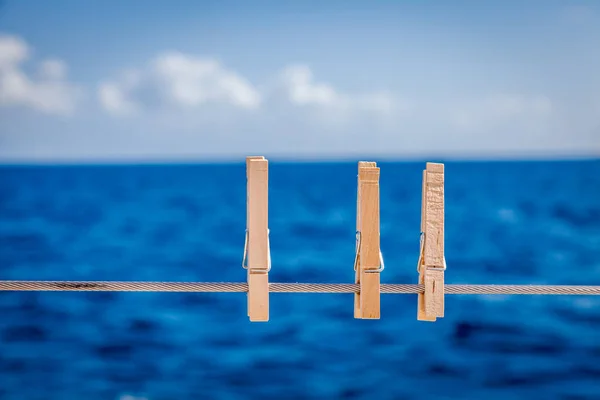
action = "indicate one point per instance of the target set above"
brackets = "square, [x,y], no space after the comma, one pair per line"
[222,287]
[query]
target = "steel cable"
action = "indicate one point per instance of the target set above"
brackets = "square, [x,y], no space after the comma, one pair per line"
[240,287]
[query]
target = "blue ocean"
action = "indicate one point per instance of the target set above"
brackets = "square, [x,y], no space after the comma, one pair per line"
[506,222]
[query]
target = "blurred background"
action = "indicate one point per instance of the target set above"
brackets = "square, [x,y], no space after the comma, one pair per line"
[123,132]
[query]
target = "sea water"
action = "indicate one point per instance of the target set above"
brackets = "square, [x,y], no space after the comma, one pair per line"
[506,222]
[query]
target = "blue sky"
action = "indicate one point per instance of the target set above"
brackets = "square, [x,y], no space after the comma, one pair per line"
[191,80]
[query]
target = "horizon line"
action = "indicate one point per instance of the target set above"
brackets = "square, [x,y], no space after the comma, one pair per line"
[304,159]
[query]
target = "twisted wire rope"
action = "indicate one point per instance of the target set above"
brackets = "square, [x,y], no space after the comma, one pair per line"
[241,287]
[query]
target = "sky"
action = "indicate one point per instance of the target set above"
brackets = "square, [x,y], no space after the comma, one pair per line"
[116,81]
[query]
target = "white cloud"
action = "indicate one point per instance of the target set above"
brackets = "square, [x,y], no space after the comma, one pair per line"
[193,81]
[174,81]
[13,50]
[302,90]
[116,97]
[53,69]
[178,80]
[50,93]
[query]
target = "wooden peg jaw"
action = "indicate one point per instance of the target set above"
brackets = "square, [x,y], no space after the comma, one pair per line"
[367,265]
[432,263]
[257,225]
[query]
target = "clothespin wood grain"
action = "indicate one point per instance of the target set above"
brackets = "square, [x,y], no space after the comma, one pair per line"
[432,263]
[367,263]
[257,225]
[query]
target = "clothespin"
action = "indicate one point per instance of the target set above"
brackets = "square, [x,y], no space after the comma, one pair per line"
[432,263]
[257,258]
[368,262]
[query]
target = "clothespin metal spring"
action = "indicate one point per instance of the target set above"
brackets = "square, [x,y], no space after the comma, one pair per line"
[356,258]
[431,268]
[245,258]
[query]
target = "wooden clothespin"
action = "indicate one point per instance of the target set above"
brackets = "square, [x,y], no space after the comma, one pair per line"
[368,262]
[257,251]
[432,262]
